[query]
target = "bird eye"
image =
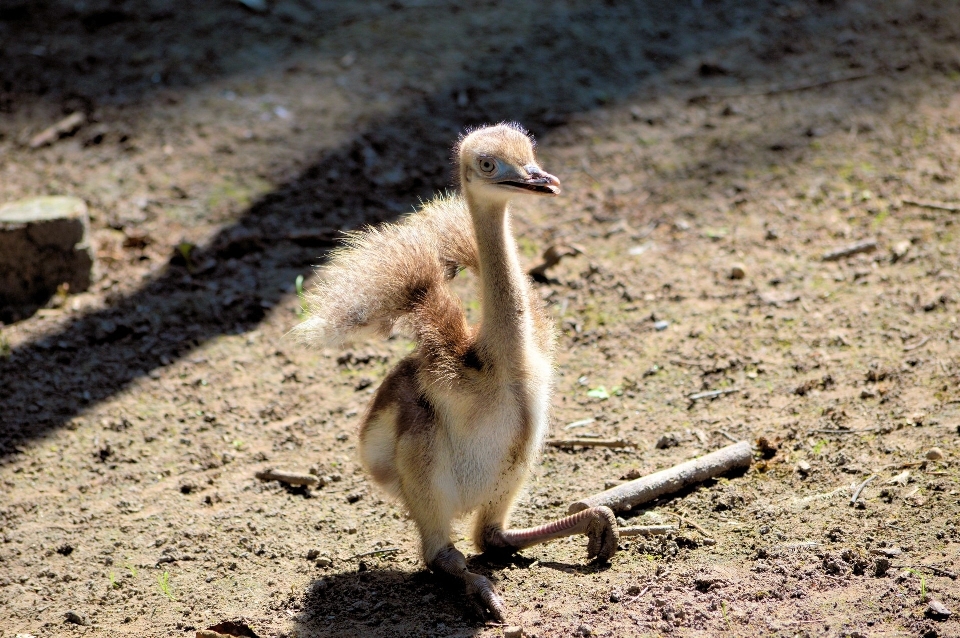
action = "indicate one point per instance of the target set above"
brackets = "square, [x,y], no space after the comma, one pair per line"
[487,165]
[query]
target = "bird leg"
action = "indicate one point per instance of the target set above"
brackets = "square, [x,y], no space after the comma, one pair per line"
[450,561]
[598,523]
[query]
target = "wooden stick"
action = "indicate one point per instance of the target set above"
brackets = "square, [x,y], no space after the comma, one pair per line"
[647,488]
[52,133]
[951,208]
[291,478]
[589,442]
[710,394]
[856,493]
[646,530]
[867,246]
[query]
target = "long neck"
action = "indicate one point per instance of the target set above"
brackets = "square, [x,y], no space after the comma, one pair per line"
[505,328]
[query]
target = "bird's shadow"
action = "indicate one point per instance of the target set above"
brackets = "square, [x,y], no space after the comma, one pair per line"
[388,602]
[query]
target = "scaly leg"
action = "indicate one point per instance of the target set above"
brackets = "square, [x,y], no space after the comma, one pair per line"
[450,561]
[598,523]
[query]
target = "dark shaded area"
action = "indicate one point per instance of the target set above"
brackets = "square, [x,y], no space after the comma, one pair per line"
[571,58]
[378,601]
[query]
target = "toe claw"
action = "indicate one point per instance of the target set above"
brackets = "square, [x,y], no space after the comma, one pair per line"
[481,588]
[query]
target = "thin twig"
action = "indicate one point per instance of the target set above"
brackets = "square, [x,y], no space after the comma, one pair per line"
[938,570]
[862,431]
[696,396]
[916,345]
[589,442]
[385,550]
[646,530]
[867,246]
[802,85]
[728,436]
[291,478]
[693,524]
[856,493]
[951,208]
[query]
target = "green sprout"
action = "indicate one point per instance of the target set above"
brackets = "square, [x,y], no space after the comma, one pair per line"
[164,581]
[302,310]
[113,581]
[723,612]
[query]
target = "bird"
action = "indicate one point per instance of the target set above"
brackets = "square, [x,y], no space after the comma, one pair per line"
[457,425]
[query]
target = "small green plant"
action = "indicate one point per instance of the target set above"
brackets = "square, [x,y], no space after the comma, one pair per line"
[923,584]
[130,568]
[113,581]
[599,392]
[164,581]
[723,612]
[818,448]
[302,309]
[185,249]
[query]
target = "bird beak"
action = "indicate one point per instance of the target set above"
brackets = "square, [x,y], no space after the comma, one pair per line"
[535,181]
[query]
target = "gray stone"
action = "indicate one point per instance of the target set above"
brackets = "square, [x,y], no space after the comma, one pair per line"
[43,244]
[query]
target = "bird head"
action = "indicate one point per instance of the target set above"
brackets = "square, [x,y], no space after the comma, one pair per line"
[498,162]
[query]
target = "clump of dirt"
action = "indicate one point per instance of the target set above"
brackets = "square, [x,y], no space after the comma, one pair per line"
[712,153]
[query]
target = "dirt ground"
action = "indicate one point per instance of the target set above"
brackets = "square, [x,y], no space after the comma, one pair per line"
[711,152]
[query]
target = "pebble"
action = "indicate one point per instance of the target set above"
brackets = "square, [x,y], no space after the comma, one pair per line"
[324,562]
[937,610]
[584,630]
[900,250]
[881,566]
[934,454]
[668,440]
[661,325]
[513,631]
[738,271]
[77,619]
[804,468]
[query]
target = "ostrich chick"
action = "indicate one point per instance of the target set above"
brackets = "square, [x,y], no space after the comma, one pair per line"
[457,425]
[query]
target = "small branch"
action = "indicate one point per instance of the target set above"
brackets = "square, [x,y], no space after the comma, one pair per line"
[951,208]
[589,442]
[728,436]
[939,571]
[693,524]
[916,345]
[647,488]
[863,431]
[385,550]
[647,530]
[867,246]
[696,396]
[291,478]
[856,493]
[66,126]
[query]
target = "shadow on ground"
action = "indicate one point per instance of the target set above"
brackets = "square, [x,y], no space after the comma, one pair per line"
[559,60]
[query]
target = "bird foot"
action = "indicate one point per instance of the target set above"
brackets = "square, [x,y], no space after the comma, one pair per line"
[603,534]
[479,587]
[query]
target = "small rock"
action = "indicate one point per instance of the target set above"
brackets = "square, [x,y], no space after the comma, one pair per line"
[881,566]
[77,619]
[43,244]
[324,562]
[661,325]
[614,597]
[584,630]
[772,234]
[738,271]
[900,250]
[868,394]
[934,454]
[804,468]
[668,440]
[312,554]
[514,631]
[937,610]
